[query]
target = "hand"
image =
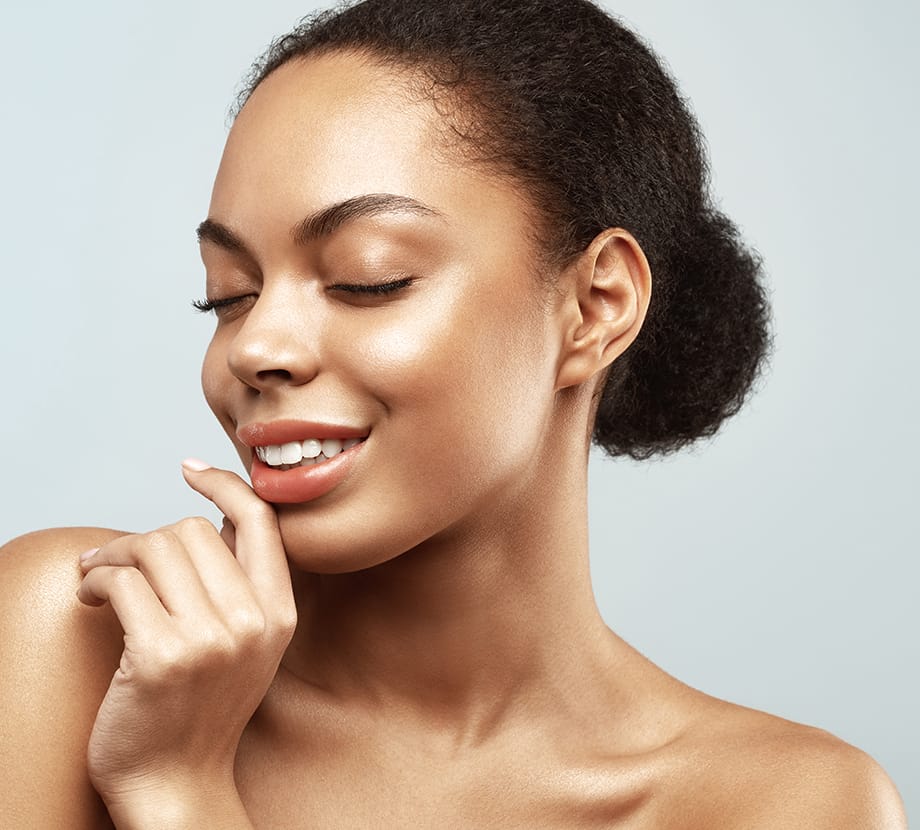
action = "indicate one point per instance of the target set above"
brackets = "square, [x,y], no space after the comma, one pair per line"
[207,617]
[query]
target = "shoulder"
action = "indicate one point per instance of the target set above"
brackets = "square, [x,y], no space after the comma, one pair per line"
[59,659]
[39,575]
[765,772]
[54,548]
[801,777]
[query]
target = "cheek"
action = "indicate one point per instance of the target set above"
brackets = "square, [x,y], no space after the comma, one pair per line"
[456,390]
[214,380]
[470,373]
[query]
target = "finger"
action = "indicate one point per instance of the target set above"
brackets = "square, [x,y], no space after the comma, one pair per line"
[134,602]
[164,562]
[257,539]
[228,534]
[229,588]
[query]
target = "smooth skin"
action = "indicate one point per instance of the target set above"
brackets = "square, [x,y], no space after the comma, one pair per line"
[449,667]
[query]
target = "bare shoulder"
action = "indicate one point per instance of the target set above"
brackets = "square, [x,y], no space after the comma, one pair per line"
[764,772]
[52,548]
[59,657]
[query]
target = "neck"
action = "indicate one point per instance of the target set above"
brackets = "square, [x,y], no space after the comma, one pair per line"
[473,622]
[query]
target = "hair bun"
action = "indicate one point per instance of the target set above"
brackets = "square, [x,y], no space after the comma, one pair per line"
[699,352]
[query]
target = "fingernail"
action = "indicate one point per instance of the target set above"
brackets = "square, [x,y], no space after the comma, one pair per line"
[196,465]
[88,554]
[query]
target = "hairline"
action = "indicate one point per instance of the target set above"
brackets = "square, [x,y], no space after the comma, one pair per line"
[420,74]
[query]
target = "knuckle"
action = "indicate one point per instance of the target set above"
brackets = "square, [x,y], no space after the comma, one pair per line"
[251,626]
[253,636]
[158,540]
[195,526]
[168,655]
[208,638]
[247,624]
[285,620]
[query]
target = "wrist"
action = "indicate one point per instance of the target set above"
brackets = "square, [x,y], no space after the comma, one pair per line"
[178,805]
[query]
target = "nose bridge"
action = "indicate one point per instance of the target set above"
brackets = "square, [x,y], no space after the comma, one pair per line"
[279,338]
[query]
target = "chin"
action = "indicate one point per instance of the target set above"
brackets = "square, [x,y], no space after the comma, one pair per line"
[313,547]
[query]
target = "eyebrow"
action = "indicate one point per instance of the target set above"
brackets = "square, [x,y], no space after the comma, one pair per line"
[323,222]
[328,220]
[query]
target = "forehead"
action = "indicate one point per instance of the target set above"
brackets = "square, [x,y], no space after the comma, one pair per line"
[325,129]
[313,116]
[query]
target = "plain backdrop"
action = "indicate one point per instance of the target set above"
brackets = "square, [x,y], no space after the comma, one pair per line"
[775,566]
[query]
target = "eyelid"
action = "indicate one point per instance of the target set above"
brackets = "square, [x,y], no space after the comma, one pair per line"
[373,288]
[207,305]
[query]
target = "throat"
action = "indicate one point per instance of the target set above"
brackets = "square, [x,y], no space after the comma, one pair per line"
[460,647]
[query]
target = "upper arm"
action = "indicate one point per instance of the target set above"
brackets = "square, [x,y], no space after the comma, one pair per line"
[58,659]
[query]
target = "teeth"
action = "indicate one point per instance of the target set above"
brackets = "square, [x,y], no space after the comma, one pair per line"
[304,453]
[311,448]
[291,452]
[331,447]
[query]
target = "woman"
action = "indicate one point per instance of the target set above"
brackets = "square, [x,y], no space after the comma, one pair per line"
[446,248]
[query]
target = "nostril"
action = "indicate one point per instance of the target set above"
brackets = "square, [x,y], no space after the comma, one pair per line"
[274,374]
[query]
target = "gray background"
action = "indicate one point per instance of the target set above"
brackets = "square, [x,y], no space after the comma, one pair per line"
[775,566]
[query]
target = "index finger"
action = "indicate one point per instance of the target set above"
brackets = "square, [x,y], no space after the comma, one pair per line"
[258,546]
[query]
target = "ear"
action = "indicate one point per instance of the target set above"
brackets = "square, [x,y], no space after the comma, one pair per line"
[606,295]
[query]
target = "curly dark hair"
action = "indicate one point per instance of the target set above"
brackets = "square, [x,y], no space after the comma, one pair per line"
[574,106]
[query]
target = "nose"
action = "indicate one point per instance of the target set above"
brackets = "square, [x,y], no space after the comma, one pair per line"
[275,346]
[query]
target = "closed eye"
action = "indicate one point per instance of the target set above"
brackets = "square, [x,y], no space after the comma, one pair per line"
[372,288]
[206,306]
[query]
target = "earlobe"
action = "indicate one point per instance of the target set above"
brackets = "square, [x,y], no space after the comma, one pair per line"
[610,287]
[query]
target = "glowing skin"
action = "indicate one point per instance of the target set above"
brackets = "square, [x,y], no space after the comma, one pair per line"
[452,377]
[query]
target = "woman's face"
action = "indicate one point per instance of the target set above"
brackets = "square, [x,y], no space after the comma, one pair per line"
[335,181]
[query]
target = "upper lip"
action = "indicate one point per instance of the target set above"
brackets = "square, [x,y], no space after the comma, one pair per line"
[262,434]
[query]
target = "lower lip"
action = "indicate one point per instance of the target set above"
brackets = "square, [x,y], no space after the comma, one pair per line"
[301,484]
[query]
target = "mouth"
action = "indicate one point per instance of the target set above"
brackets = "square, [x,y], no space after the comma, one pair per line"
[276,477]
[310,452]
[298,461]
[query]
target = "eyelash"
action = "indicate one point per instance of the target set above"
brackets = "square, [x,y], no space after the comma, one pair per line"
[205,306]
[375,288]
